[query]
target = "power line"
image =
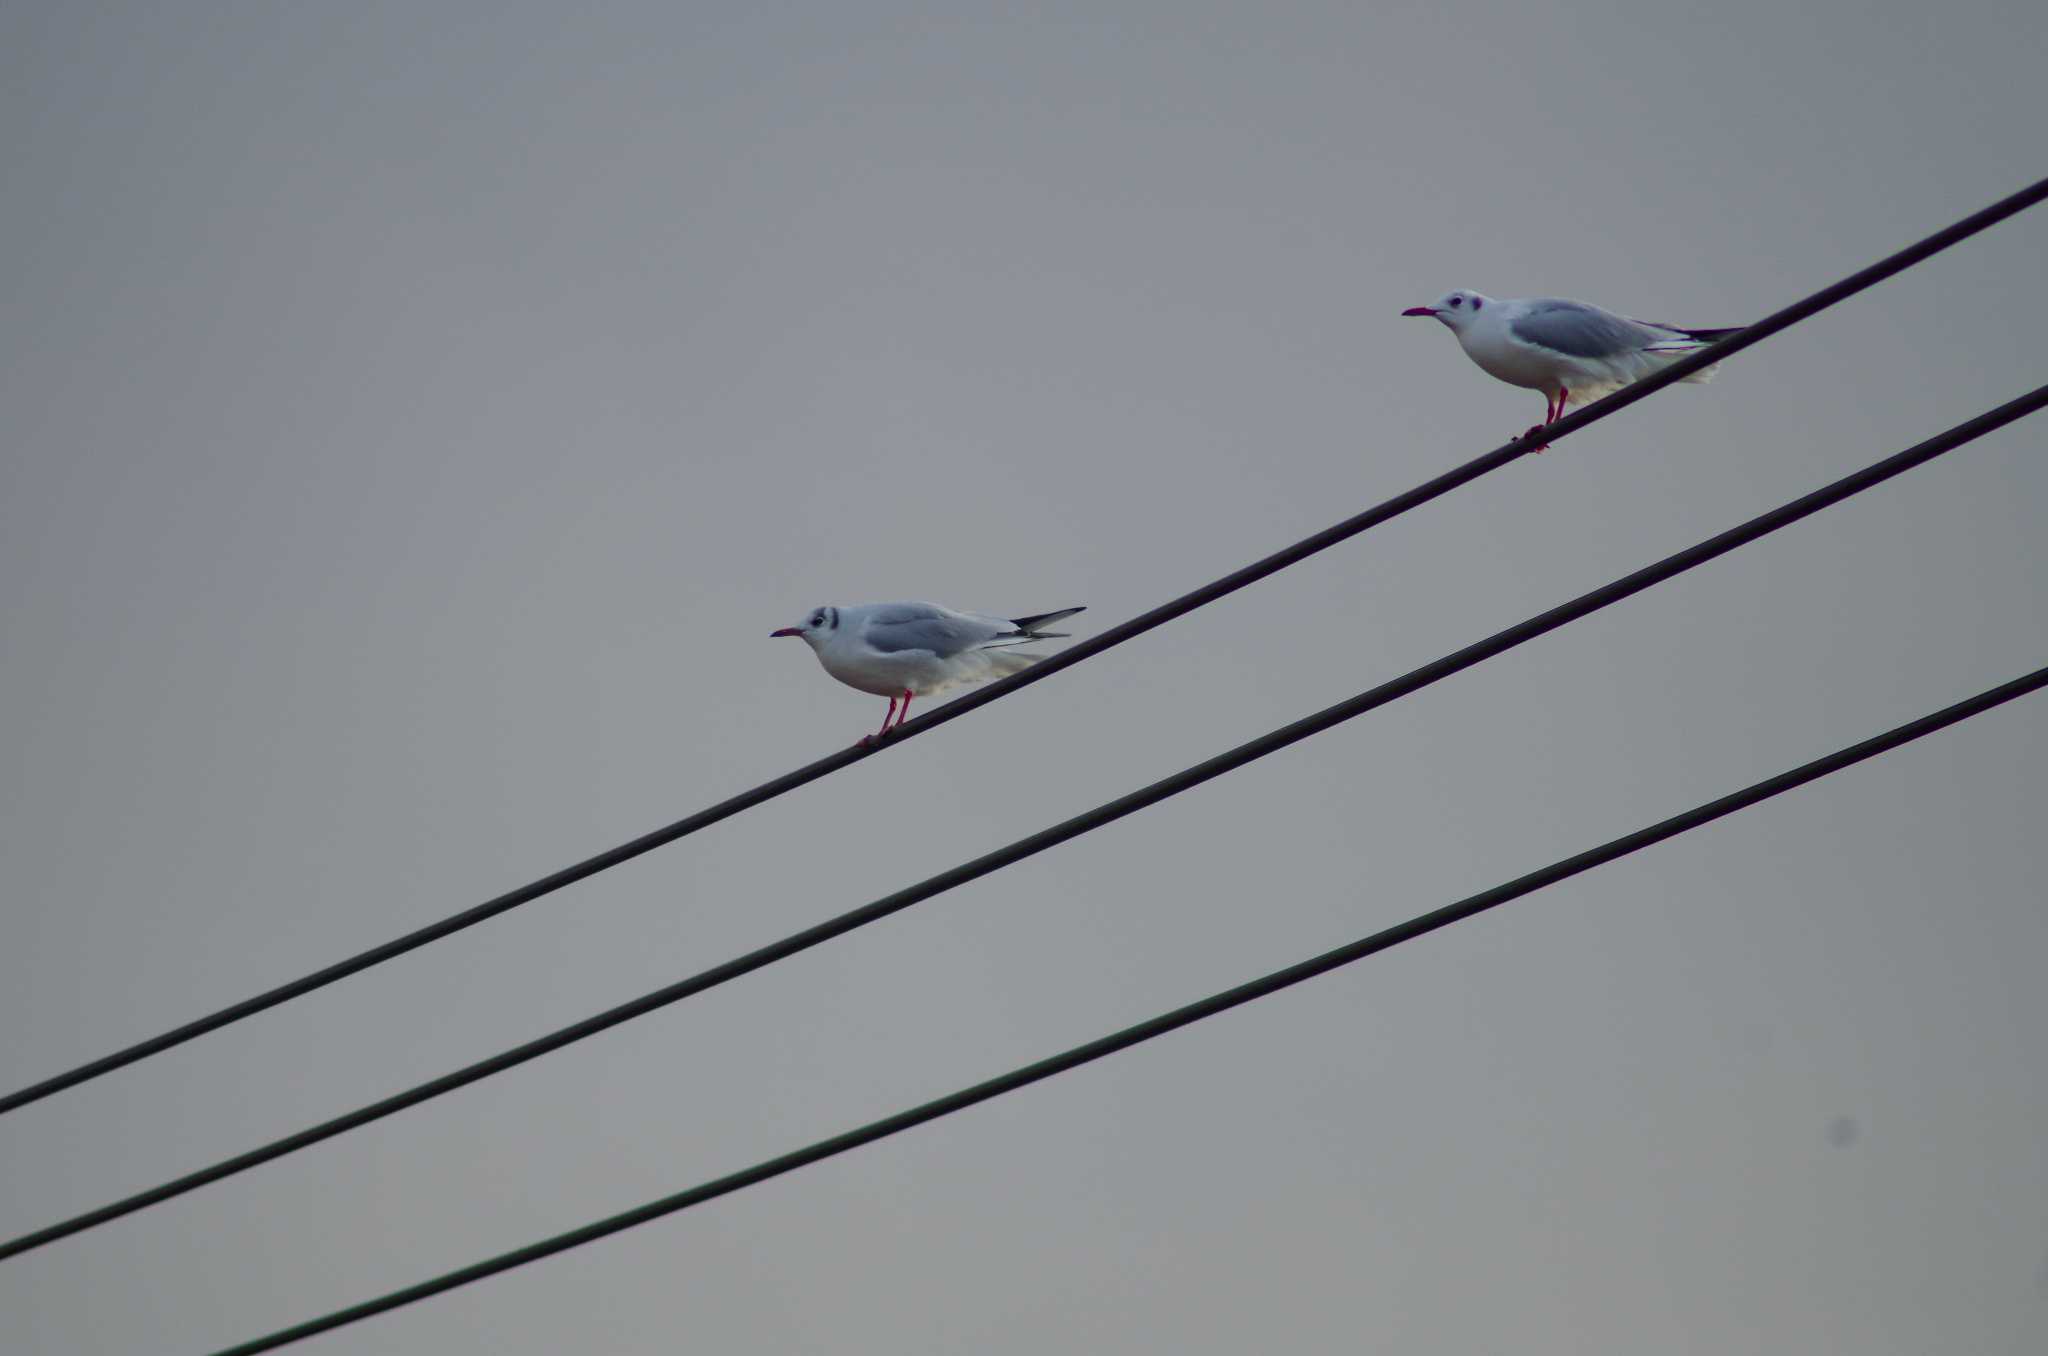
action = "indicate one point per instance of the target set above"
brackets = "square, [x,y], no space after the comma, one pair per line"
[1087,822]
[1051,664]
[1162,1024]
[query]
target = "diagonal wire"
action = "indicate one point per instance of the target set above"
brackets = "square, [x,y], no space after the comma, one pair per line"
[1086,822]
[1162,1024]
[1051,664]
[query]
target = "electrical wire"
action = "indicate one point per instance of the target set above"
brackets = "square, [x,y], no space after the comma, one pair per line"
[1102,815]
[1052,663]
[1160,1025]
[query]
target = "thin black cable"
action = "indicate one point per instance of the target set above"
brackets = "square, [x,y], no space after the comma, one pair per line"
[1087,822]
[1052,663]
[1160,1025]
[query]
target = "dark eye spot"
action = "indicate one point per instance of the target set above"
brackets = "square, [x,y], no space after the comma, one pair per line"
[1457,301]
[1477,303]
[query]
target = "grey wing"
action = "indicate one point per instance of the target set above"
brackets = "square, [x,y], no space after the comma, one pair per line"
[925,626]
[1581,331]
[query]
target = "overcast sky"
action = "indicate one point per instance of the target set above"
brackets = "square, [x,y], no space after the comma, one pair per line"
[414,418]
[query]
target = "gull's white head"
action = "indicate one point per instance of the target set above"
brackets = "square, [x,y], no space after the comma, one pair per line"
[815,629]
[1456,309]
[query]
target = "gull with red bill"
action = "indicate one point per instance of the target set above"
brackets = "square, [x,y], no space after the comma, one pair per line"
[901,650]
[1570,351]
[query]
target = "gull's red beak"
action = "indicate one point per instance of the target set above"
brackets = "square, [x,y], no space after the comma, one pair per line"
[1420,310]
[786,631]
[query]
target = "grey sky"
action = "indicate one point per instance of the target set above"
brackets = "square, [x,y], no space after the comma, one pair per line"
[414,419]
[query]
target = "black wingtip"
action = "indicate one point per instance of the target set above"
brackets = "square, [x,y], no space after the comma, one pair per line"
[1029,625]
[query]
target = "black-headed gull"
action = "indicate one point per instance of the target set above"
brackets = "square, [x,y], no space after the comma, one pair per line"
[1568,350]
[901,650]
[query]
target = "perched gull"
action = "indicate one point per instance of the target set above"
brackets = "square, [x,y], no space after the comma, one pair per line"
[1568,350]
[901,650]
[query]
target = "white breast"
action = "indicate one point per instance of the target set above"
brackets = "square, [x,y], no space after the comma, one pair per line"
[884,675]
[1501,356]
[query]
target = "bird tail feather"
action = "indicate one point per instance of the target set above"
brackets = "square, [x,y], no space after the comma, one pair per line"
[1688,340]
[1027,627]
[1691,341]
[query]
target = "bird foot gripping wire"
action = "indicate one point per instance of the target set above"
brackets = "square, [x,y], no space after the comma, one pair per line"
[896,714]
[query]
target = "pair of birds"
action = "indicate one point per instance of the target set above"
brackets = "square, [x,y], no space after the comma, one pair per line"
[1568,350]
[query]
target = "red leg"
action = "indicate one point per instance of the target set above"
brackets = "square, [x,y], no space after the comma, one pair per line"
[903,712]
[1549,413]
[1563,394]
[866,740]
[1553,410]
